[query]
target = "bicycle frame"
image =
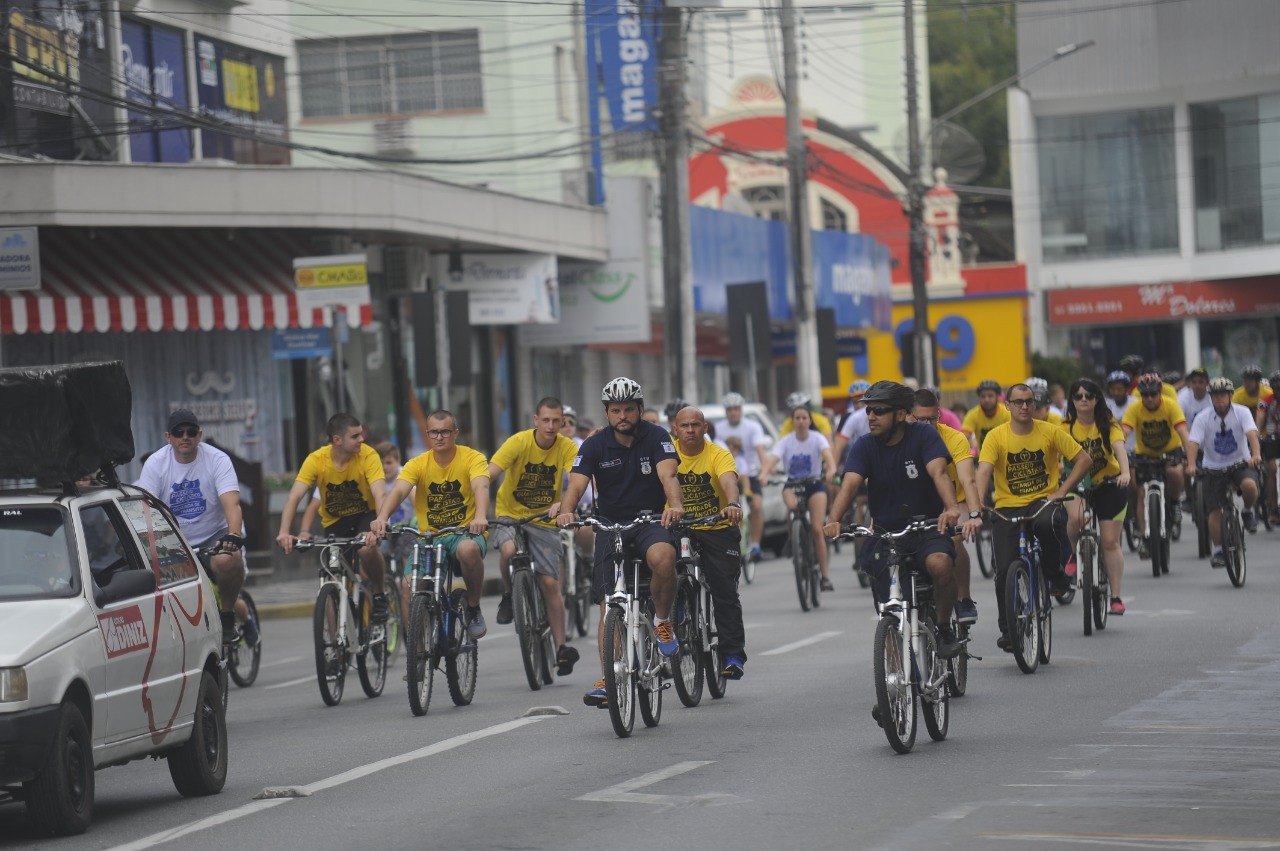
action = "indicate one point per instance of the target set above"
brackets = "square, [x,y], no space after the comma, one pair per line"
[427,568]
[1153,484]
[336,569]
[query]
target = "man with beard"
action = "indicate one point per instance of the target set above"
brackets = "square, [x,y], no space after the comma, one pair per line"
[984,417]
[1194,396]
[633,463]
[906,466]
[1228,435]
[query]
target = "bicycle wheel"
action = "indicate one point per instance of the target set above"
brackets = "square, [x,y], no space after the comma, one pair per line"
[649,689]
[395,618]
[1233,546]
[243,661]
[689,661]
[1044,613]
[461,663]
[1102,595]
[372,657]
[748,564]
[420,653]
[986,552]
[815,572]
[1204,543]
[582,600]
[1131,536]
[1153,536]
[522,591]
[934,706]
[331,656]
[958,666]
[895,694]
[713,660]
[798,531]
[1175,526]
[1086,552]
[619,679]
[1024,623]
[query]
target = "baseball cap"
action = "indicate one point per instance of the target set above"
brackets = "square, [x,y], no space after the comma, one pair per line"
[182,416]
[585,423]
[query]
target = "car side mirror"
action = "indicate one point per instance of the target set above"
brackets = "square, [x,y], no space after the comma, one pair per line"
[126,584]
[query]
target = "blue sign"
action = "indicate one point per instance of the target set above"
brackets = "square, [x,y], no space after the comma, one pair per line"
[626,35]
[954,338]
[296,343]
[728,248]
[154,66]
[851,276]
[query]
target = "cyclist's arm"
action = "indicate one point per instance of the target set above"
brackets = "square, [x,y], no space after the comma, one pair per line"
[494,471]
[480,492]
[765,469]
[284,537]
[1255,448]
[969,483]
[390,500]
[1181,429]
[1193,452]
[982,478]
[946,490]
[759,447]
[674,511]
[572,496]
[829,464]
[849,486]
[231,508]
[1122,458]
[729,484]
[1080,466]
[309,517]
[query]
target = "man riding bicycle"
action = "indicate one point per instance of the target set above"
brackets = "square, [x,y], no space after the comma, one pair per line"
[1251,393]
[1269,429]
[634,464]
[1194,397]
[1228,435]
[1159,429]
[986,415]
[709,485]
[905,465]
[752,435]
[1022,455]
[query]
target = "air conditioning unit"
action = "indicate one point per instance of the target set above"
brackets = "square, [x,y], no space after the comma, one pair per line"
[394,137]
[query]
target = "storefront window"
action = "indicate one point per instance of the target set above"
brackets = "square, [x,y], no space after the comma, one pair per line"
[1107,184]
[1237,177]
[1228,346]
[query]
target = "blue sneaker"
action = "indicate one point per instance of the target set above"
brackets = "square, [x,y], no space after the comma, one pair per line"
[597,697]
[249,629]
[667,643]
[966,611]
[733,668]
[757,554]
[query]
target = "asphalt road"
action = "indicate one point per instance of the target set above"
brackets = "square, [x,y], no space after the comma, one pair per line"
[1160,732]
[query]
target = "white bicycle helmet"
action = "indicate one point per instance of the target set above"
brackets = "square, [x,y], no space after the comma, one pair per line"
[1038,384]
[733,400]
[797,399]
[622,389]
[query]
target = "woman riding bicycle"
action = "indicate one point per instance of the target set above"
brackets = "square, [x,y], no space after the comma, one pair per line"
[803,453]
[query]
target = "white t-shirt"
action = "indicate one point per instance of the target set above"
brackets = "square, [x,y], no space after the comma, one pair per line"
[801,458]
[751,433]
[855,425]
[1191,406]
[1117,412]
[192,491]
[1223,446]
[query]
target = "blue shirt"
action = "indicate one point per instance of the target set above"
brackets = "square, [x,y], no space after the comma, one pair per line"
[899,486]
[626,477]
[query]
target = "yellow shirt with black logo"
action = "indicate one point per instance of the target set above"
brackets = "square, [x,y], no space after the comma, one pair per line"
[1026,465]
[1155,432]
[1250,401]
[958,446]
[978,423]
[699,477]
[345,492]
[821,425]
[534,477]
[444,496]
[1105,463]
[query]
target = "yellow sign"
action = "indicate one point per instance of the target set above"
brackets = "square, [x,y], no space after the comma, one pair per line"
[344,275]
[240,85]
[977,338]
[34,47]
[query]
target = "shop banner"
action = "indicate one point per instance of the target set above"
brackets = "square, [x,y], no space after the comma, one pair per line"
[626,33]
[506,289]
[851,276]
[729,248]
[246,89]
[154,66]
[599,303]
[1185,299]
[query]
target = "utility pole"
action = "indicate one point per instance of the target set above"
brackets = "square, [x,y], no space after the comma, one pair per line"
[807,372]
[680,341]
[921,335]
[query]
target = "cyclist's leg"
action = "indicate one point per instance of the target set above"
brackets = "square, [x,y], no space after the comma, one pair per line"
[937,552]
[469,553]
[1004,540]
[818,516]
[1050,529]
[1111,503]
[1174,478]
[544,547]
[721,564]
[1139,503]
[1247,481]
[659,550]
[756,522]
[962,559]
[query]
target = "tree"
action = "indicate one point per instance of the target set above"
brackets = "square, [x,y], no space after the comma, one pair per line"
[971,48]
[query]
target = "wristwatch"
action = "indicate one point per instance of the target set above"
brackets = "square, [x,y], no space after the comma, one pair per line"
[733,505]
[974,515]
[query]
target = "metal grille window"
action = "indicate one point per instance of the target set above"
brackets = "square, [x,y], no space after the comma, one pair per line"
[431,72]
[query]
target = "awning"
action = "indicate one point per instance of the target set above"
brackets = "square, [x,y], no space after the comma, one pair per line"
[178,279]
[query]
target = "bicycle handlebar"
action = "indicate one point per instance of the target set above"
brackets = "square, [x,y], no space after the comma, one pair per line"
[1027,518]
[331,541]
[643,520]
[1227,471]
[430,535]
[855,531]
[699,521]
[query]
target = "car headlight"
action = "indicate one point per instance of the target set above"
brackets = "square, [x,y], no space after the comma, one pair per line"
[13,685]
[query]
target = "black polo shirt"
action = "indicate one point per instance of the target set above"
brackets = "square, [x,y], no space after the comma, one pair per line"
[626,477]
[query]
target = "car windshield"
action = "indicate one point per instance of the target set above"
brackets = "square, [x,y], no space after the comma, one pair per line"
[36,560]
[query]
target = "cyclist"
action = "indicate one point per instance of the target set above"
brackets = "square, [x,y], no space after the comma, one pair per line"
[1159,428]
[389,455]
[200,486]
[352,484]
[1227,436]
[451,484]
[817,418]
[634,464]
[1194,397]
[569,424]
[669,412]
[1043,410]
[1269,428]
[1089,422]
[1022,456]
[1173,378]
[752,436]
[709,485]
[1251,392]
[854,423]
[926,410]
[1058,399]
[1040,388]
[535,462]
[986,415]
[1118,398]
[804,452]
[1133,366]
[906,465]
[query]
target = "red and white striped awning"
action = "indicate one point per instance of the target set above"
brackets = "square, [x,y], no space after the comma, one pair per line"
[177,279]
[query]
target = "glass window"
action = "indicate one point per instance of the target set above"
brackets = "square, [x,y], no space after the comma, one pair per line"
[1237,176]
[37,560]
[161,543]
[102,542]
[1107,184]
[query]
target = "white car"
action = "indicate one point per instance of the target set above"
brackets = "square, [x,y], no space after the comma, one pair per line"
[110,648]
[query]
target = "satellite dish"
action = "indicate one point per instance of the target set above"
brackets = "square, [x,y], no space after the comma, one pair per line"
[951,147]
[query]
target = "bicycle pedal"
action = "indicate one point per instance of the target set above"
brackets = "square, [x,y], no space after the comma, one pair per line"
[969,655]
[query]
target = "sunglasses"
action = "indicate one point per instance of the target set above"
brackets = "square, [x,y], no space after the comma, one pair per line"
[1021,403]
[879,410]
[185,431]
[1154,395]
[1084,396]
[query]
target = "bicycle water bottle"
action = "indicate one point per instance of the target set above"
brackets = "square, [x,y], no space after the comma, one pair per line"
[686,548]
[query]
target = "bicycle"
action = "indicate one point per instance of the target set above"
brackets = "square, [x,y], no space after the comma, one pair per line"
[1091,574]
[575,585]
[1232,529]
[240,659]
[803,559]
[537,647]
[635,670]
[699,659]
[744,543]
[437,622]
[343,622]
[1150,473]
[907,667]
[1028,604]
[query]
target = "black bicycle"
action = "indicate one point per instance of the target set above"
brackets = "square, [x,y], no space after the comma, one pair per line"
[699,659]
[1028,604]
[537,647]
[1232,529]
[803,557]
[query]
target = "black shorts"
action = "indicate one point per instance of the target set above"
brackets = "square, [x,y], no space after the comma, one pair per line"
[634,542]
[916,547]
[352,525]
[1270,446]
[1215,487]
[1108,500]
[754,482]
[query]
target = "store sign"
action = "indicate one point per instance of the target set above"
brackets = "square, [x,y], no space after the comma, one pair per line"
[627,34]
[19,259]
[300,343]
[598,304]
[335,280]
[1185,299]
[506,289]
[244,88]
[153,62]
[851,276]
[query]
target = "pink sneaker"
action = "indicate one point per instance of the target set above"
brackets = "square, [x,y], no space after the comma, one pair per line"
[1070,567]
[1117,606]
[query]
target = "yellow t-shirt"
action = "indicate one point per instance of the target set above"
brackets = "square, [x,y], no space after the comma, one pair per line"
[699,477]
[820,424]
[534,477]
[958,446]
[1242,397]
[1155,431]
[1053,419]
[1105,463]
[444,496]
[977,422]
[345,492]
[1026,466]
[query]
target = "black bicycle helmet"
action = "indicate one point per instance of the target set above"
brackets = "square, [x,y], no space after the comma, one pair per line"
[1200,372]
[1274,380]
[988,384]
[891,393]
[1171,376]
[1149,383]
[673,408]
[1131,364]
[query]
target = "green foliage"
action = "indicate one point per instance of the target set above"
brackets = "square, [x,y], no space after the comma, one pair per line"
[971,48]
[1056,369]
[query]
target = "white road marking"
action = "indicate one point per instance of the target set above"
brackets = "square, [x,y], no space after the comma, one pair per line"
[328,783]
[1069,774]
[297,682]
[275,662]
[804,642]
[493,635]
[624,792]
